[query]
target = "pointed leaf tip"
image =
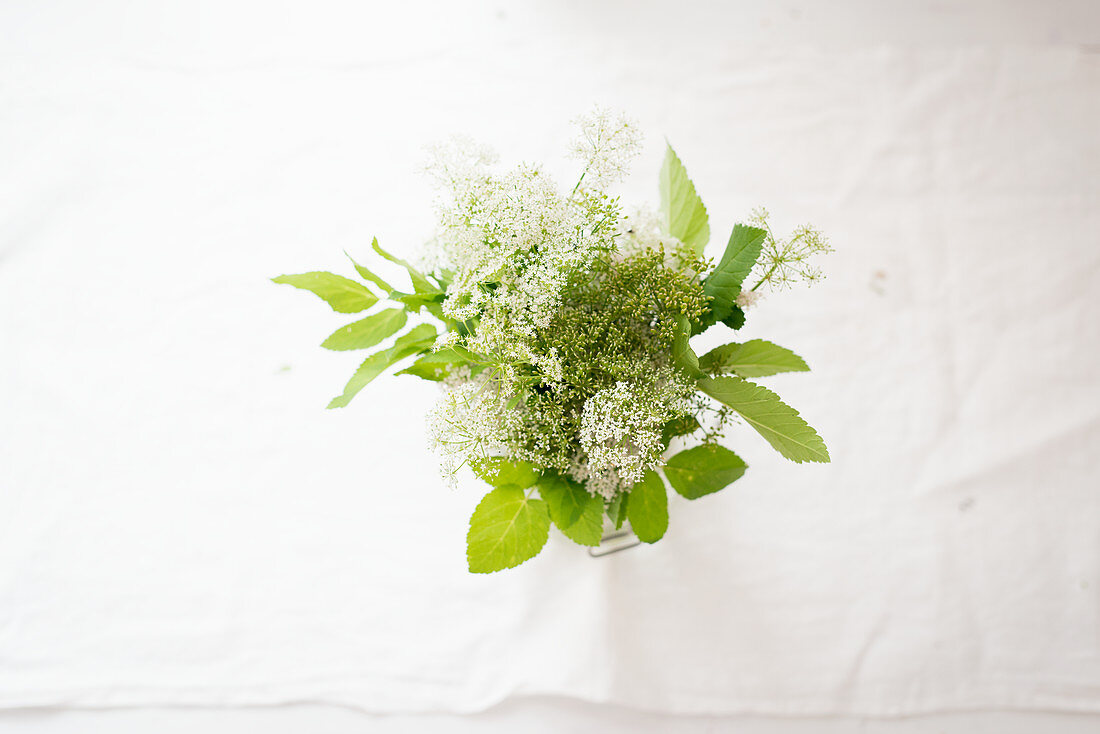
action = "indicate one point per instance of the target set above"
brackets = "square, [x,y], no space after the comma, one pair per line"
[342,294]
[683,211]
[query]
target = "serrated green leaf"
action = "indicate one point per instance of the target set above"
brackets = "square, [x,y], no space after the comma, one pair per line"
[736,318]
[578,514]
[773,419]
[342,294]
[681,208]
[499,471]
[367,332]
[506,529]
[703,470]
[616,509]
[367,275]
[648,508]
[565,498]
[754,358]
[589,529]
[724,284]
[436,366]
[416,340]
[683,356]
[419,282]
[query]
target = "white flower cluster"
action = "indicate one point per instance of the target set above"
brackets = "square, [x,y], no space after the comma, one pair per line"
[786,261]
[607,143]
[513,240]
[467,422]
[747,299]
[621,432]
[522,260]
[643,230]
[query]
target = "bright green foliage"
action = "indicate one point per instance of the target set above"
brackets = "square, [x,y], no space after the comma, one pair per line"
[648,508]
[415,301]
[684,214]
[754,358]
[724,284]
[369,276]
[616,509]
[419,282]
[498,471]
[578,514]
[367,332]
[588,530]
[419,339]
[773,419]
[506,529]
[436,366]
[683,356]
[345,296]
[703,470]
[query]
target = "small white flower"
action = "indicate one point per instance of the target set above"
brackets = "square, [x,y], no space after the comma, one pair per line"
[747,299]
[607,144]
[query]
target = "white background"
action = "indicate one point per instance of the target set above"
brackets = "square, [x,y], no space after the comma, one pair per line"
[181,523]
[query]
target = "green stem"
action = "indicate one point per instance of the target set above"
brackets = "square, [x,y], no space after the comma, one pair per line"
[574,191]
[766,276]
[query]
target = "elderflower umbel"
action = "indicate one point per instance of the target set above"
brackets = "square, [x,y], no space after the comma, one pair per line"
[784,262]
[621,428]
[467,422]
[606,143]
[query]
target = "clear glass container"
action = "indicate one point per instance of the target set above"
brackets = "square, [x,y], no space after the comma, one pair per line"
[614,540]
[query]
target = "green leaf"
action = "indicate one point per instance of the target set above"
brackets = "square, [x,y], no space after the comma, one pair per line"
[681,426]
[648,508]
[681,208]
[773,419]
[754,358]
[444,276]
[469,356]
[499,471]
[724,284]
[589,529]
[578,514]
[344,295]
[415,301]
[736,318]
[436,366]
[703,470]
[419,282]
[416,340]
[366,332]
[616,509]
[369,276]
[682,354]
[506,529]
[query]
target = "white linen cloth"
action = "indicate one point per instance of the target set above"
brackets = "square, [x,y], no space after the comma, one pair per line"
[181,522]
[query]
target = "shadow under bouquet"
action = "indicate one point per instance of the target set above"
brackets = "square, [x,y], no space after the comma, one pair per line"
[559,328]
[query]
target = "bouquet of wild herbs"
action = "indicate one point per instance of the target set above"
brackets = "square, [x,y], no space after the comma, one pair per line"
[559,328]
